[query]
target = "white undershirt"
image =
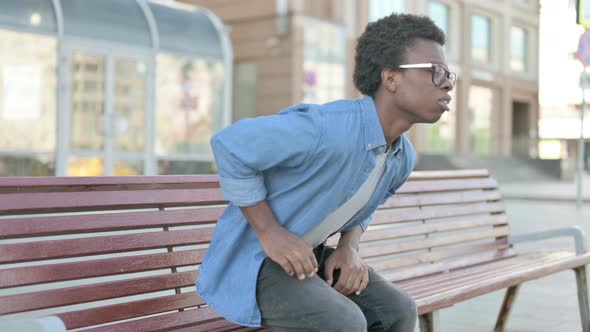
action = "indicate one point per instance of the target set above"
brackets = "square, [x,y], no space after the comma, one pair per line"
[350,208]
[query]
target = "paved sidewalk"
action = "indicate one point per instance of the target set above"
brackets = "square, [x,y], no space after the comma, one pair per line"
[546,190]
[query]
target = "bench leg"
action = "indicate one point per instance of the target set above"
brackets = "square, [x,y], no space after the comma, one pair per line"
[505,310]
[582,281]
[429,322]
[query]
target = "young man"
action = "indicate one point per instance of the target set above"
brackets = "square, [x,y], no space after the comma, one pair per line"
[295,178]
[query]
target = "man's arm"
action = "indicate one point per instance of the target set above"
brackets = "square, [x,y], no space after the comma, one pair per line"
[351,238]
[243,151]
[287,249]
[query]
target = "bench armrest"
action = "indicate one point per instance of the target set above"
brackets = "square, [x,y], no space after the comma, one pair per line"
[574,231]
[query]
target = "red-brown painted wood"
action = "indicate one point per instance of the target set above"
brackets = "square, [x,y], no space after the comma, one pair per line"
[32,275]
[88,223]
[24,252]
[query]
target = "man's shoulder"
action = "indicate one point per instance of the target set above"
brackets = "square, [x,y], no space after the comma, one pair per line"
[409,153]
[341,105]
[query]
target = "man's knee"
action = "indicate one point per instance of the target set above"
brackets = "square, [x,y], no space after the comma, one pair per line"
[346,317]
[404,314]
[401,311]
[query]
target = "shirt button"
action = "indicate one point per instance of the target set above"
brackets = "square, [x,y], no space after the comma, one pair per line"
[369,145]
[367,170]
[381,149]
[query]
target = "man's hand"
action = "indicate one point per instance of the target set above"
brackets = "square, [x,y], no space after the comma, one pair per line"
[354,272]
[289,250]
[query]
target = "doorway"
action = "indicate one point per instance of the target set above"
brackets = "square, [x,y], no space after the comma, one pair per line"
[520,129]
[107,112]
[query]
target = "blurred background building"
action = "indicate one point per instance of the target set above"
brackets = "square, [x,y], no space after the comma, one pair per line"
[110,87]
[116,87]
[292,51]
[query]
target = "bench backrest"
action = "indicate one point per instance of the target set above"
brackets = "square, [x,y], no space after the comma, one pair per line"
[437,221]
[99,250]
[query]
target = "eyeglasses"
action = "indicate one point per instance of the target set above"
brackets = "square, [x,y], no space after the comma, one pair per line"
[439,72]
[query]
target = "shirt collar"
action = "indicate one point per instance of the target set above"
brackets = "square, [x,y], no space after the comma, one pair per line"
[374,136]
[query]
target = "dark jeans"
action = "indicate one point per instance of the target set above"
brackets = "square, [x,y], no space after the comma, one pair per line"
[289,304]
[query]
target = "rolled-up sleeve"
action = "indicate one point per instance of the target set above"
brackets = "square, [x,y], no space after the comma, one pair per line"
[244,150]
[366,222]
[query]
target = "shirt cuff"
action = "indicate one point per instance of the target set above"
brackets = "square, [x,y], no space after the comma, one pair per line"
[243,192]
[366,222]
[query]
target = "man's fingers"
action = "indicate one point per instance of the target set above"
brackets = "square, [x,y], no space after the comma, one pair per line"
[343,280]
[357,283]
[314,262]
[364,283]
[310,270]
[349,288]
[298,266]
[329,272]
[284,263]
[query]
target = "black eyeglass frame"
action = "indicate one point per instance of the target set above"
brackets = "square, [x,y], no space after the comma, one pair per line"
[449,75]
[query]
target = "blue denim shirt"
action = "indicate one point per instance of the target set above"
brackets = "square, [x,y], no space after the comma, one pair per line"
[305,161]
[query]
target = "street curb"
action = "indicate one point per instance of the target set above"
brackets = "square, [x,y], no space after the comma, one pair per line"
[544,198]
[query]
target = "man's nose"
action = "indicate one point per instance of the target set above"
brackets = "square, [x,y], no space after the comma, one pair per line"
[447,85]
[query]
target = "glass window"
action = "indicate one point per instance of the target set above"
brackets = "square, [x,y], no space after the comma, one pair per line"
[189,106]
[439,13]
[324,62]
[518,49]
[244,90]
[87,102]
[199,37]
[481,104]
[27,165]
[382,8]
[129,98]
[28,83]
[30,15]
[440,136]
[481,38]
[112,20]
[319,8]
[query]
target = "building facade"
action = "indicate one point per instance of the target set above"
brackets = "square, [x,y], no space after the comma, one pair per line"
[287,52]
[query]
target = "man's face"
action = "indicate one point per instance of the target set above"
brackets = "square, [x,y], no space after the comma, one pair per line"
[416,94]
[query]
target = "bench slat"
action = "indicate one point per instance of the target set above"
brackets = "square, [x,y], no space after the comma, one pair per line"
[127,310]
[201,316]
[228,328]
[94,182]
[33,275]
[446,185]
[389,216]
[433,256]
[95,292]
[459,294]
[467,196]
[87,201]
[428,228]
[411,245]
[449,174]
[43,250]
[463,278]
[88,223]
[389,233]
[472,270]
[441,266]
[217,326]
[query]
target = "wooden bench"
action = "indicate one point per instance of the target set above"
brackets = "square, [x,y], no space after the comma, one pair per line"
[122,253]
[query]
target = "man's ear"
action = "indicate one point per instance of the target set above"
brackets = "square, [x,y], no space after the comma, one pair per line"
[389,79]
